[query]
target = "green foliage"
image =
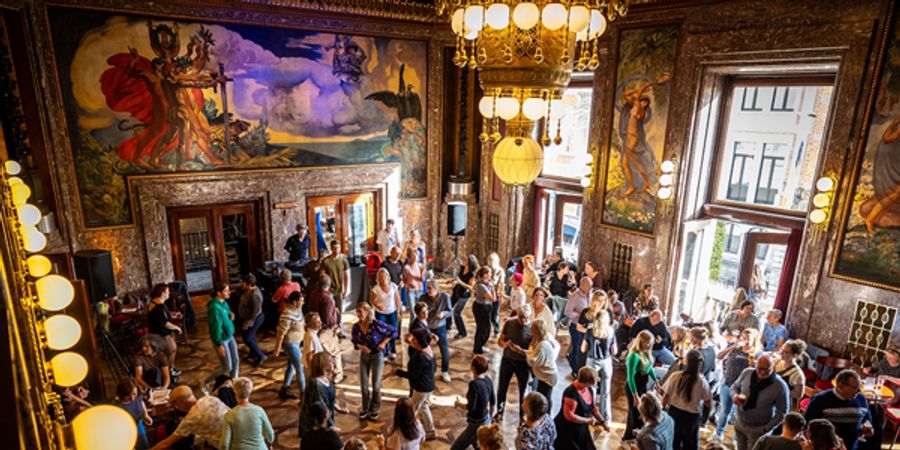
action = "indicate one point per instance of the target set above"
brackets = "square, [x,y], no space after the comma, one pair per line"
[715,261]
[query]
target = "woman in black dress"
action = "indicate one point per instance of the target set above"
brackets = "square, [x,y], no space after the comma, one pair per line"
[578,413]
[462,290]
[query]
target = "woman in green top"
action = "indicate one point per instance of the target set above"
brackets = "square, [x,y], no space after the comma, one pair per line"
[221,332]
[247,426]
[638,373]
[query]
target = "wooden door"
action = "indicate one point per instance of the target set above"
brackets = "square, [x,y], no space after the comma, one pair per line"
[350,218]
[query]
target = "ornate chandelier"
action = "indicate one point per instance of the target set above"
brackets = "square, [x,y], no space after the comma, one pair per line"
[525,52]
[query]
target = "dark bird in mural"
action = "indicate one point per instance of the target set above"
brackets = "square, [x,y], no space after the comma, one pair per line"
[405,101]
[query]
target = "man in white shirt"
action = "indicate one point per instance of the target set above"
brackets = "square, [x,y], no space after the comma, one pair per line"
[387,238]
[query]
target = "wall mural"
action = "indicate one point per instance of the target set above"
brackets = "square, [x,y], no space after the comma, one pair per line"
[869,240]
[147,96]
[643,84]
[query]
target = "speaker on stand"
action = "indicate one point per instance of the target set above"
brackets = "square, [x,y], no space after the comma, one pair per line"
[456,228]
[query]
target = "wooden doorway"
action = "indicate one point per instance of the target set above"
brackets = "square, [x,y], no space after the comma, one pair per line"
[350,218]
[212,243]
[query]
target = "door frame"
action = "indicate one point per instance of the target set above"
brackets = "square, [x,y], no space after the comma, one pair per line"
[752,239]
[341,201]
[213,214]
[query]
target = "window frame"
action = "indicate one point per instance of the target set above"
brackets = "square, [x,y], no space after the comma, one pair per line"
[735,210]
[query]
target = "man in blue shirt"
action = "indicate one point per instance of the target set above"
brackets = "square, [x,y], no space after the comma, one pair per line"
[845,407]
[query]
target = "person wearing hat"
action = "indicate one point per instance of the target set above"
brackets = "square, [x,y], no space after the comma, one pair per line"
[420,373]
[204,419]
[297,247]
[517,296]
[515,340]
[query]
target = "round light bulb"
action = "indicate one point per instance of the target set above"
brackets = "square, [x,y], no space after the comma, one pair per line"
[20,193]
[456,23]
[667,167]
[557,109]
[579,17]
[821,200]
[571,100]
[33,239]
[471,35]
[534,108]
[581,36]
[54,292]
[585,182]
[11,181]
[104,427]
[69,369]
[526,15]
[597,24]
[486,107]
[497,16]
[38,265]
[664,193]
[817,216]
[825,184]
[554,16]
[665,179]
[29,215]
[12,167]
[62,331]
[474,18]
[507,108]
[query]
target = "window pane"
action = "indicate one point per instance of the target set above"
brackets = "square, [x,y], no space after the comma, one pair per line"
[772,145]
[569,159]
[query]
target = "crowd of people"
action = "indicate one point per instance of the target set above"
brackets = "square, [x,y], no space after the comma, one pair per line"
[740,372]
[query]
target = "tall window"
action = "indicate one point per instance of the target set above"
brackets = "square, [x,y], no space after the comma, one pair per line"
[768,160]
[569,159]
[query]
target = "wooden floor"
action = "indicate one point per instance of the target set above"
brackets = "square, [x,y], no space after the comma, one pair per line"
[197,360]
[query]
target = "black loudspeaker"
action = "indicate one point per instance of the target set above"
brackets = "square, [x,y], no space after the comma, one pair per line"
[456,219]
[96,269]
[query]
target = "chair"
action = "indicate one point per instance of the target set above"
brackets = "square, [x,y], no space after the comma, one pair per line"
[373,264]
[826,368]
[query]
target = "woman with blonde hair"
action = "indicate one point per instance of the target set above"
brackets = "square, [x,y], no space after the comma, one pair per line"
[598,302]
[370,336]
[498,275]
[530,277]
[320,388]
[638,373]
[385,299]
[541,356]
[598,346]
[735,358]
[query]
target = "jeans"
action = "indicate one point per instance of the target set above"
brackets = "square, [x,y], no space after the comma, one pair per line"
[726,408]
[664,355]
[482,314]
[558,304]
[390,319]
[371,364]
[229,363]
[466,439]
[295,364]
[574,353]
[404,297]
[687,429]
[508,368]
[458,307]
[441,333]
[250,337]
[495,316]
[604,370]
[420,405]
[547,391]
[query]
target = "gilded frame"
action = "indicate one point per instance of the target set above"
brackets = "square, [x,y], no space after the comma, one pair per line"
[298,15]
[889,27]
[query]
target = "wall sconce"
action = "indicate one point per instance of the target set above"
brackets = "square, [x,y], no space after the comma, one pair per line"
[588,178]
[822,203]
[666,180]
[42,294]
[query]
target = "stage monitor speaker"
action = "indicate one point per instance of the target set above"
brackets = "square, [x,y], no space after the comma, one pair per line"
[96,269]
[456,219]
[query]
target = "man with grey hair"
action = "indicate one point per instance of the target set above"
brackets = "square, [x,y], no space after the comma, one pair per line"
[578,301]
[845,407]
[761,399]
[439,311]
[246,426]
[514,339]
[205,419]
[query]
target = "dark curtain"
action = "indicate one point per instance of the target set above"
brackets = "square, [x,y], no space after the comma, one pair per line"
[789,268]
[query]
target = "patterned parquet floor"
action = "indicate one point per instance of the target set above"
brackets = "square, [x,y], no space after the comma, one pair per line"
[197,359]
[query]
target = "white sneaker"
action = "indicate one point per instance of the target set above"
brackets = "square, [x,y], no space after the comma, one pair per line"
[445,377]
